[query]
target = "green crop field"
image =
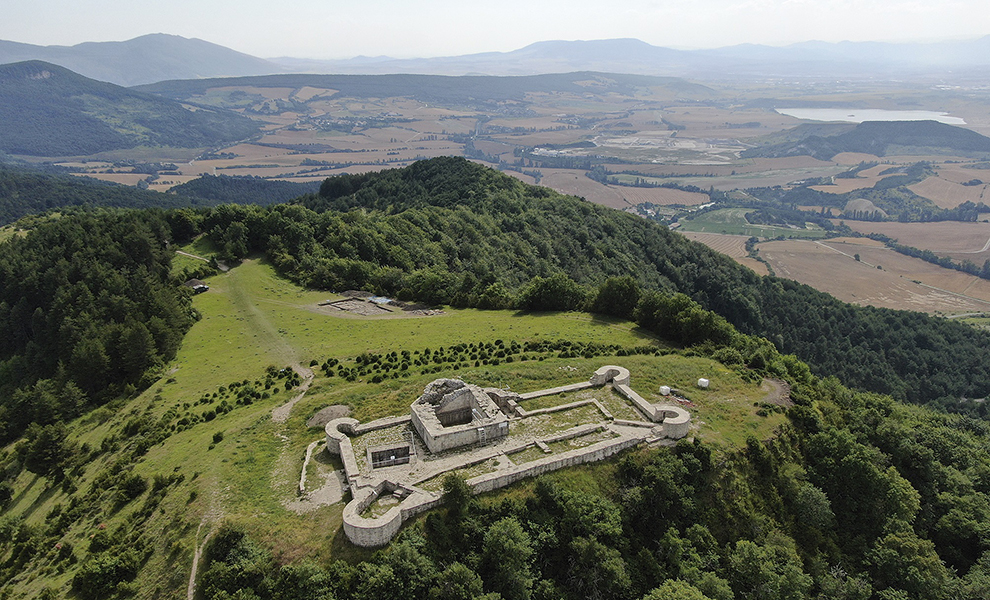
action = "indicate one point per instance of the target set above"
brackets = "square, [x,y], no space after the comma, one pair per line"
[733,221]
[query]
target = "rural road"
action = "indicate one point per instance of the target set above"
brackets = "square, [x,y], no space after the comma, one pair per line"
[983,249]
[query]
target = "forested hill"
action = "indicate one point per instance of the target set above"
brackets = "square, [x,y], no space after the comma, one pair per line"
[880,138]
[451,231]
[221,189]
[26,191]
[87,308]
[48,110]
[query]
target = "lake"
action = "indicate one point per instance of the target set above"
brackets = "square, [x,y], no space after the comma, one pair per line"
[858,115]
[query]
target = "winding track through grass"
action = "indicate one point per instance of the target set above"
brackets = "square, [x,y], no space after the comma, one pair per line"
[271,341]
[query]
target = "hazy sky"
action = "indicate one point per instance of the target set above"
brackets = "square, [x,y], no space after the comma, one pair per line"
[421,28]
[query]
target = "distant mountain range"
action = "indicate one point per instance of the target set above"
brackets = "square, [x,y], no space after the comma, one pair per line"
[145,59]
[47,110]
[946,60]
[160,57]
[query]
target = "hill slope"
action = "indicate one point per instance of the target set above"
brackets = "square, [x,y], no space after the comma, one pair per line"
[879,138]
[446,230]
[145,59]
[223,189]
[50,111]
[27,191]
[438,88]
[849,496]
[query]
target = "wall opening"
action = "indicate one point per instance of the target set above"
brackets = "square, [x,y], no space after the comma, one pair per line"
[391,456]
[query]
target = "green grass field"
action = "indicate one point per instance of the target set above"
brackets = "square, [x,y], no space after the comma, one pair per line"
[253,319]
[733,221]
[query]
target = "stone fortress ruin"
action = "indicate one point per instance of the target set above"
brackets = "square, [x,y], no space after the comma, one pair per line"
[451,413]
[394,466]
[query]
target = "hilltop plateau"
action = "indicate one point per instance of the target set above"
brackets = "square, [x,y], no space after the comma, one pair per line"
[183,367]
[154,438]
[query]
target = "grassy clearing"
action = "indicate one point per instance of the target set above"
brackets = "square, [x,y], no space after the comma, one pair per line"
[978,322]
[733,221]
[7,232]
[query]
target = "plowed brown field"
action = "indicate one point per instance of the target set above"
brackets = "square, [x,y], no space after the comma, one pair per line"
[733,246]
[949,194]
[902,283]
[960,241]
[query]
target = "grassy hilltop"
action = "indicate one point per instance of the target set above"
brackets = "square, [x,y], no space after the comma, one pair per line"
[122,469]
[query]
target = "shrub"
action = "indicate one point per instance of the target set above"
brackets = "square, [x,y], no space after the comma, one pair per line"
[100,576]
[132,486]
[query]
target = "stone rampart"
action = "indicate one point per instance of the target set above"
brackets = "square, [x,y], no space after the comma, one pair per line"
[593,453]
[574,432]
[610,373]
[641,404]
[378,531]
[676,421]
[384,423]
[339,443]
[557,390]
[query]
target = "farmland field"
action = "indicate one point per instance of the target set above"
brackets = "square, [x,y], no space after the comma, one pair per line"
[733,221]
[733,246]
[902,282]
[576,183]
[866,178]
[957,240]
[949,194]
[660,196]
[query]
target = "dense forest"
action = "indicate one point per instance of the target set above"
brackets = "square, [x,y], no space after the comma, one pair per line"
[31,190]
[25,191]
[223,189]
[448,231]
[88,311]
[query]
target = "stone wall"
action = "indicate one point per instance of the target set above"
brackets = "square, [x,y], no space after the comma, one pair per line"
[676,421]
[378,531]
[593,453]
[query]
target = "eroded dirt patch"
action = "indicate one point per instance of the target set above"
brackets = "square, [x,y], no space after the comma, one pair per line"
[778,393]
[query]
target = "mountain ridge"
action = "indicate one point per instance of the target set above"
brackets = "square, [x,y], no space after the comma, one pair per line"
[144,59]
[877,137]
[49,110]
[160,57]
